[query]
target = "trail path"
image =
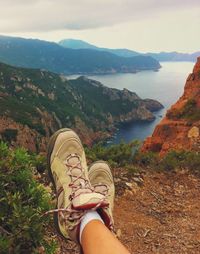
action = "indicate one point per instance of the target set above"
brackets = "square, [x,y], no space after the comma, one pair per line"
[156,214]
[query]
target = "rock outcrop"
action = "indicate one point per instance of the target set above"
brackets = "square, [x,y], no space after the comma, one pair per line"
[19,135]
[180,128]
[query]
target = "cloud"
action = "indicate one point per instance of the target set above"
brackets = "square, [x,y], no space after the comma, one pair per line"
[52,15]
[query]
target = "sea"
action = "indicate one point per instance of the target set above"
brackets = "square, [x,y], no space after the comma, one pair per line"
[165,85]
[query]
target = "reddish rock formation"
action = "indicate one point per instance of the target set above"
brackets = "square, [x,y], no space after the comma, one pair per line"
[179,130]
[24,136]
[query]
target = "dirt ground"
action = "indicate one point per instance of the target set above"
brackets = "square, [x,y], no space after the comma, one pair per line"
[156,213]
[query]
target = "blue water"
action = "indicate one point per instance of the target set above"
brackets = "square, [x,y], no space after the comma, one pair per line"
[166,86]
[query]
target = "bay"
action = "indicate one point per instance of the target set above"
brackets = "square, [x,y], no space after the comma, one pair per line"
[166,86]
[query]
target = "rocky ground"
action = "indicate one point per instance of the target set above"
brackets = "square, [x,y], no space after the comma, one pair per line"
[155,213]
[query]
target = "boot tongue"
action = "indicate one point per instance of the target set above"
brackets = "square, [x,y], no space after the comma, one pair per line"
[89,200]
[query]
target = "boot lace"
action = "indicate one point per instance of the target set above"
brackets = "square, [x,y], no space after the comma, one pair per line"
[79,185]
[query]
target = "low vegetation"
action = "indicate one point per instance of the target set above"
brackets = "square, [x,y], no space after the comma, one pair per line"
[129,156]
[173,160]
[117,155]
[190,111]
[9,135]
[23,201]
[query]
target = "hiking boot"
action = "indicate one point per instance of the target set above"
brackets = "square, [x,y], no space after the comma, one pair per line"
[68,172]
[101,179]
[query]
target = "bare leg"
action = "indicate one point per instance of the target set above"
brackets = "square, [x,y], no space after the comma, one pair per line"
[96,238]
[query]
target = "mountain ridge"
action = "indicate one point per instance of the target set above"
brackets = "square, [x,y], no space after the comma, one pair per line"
[38,54]
[160,56]
[79,44]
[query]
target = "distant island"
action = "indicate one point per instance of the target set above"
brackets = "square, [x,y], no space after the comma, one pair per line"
[161,56]
[174,56]
[31,53]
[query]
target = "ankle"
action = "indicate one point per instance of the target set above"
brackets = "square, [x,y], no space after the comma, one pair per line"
[88,217]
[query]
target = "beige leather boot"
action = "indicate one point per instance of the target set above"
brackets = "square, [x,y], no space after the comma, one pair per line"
[101,179]
[68,172]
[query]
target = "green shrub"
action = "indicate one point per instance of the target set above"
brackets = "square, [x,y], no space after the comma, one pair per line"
[23,201]
[117,155]
[146,159]
[191,161]
[190,111]
[132,169]
[9,134]
[39,162]
[188,160]
[171,161]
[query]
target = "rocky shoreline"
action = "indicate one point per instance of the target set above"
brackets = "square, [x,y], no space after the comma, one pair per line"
[36,103]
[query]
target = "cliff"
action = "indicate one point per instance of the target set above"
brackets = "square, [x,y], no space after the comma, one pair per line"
[36,103]
[179,130]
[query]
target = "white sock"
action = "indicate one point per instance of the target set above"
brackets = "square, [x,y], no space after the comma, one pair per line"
[89,216]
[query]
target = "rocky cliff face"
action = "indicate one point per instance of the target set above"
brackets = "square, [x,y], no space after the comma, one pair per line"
[118,106]
[21,135]
[180,128]
[36,103]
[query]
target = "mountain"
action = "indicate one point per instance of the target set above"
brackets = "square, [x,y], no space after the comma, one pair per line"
[50,56]
[180,128]
[35,103]
[174,56]
[161,57]
[79,44]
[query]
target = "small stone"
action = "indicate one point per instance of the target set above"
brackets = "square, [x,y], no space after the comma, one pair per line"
[128,192]
[119,233]
[129,185]
[117,180]
[193,132]
[138,179]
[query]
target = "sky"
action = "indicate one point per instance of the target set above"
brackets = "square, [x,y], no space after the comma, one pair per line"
[141,25]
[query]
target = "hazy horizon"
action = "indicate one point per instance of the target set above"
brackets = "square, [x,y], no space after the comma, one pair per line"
[162,51]
[139,25]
